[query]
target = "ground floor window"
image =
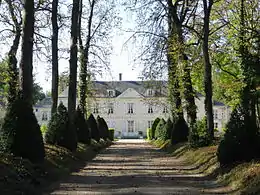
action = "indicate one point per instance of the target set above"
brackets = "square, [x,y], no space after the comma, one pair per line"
[150,123]
[130,126]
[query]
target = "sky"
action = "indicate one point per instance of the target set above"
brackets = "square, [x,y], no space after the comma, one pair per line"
[121,59]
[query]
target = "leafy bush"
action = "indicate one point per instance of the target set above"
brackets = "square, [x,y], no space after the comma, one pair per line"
[103,128]
[82,128]
[199,135]
[111,134]
[94,133]
[20,133]
[159,129]
[165,131]
[43,128]
[154,125]
[149,133]
[241,140]
[59,132]
[180,131]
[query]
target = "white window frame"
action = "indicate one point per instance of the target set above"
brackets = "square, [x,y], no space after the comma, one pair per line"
[215,113]
[110,93]
[215,125]
[150,92]
[95,109]
[130,126]
[130,108]
[150,124]
[44,116]
[165,109]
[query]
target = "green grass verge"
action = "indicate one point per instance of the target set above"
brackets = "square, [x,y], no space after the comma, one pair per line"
[20,176]
[244,177]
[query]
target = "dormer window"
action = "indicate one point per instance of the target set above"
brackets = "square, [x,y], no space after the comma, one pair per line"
[149,92]
[110,93]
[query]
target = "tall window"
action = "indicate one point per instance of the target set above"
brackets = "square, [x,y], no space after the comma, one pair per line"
[44,116]
[130,108]
[95,110]
[215,114]
[130,126]
[150,123]
[216,125]
[165,110]
[150,109]
[110,108]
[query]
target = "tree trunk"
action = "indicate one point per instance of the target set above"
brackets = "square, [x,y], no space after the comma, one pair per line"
[85,57]
[207,69]
[26,66]
[73,63]
[55,64]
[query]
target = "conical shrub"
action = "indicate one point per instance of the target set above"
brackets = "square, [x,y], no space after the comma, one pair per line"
[180,131]
[103,128]
[82,128]
[20,133]
[58,131]
[94,132]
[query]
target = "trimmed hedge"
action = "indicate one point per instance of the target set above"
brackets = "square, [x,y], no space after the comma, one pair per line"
[149,133]
[159,129]
[111,133]
[154,125]
[94,132]
[241,140]
[82,128]
[103,128]
[58,131]
[199,136]
[180,131]
[20,133]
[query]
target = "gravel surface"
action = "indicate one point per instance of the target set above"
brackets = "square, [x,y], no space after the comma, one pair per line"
[136,167]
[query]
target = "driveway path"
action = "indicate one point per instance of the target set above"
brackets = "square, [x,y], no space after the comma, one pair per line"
[135,167]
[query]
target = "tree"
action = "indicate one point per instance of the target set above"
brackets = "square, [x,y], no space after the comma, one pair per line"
[73,64]
[207,6]
[55,64]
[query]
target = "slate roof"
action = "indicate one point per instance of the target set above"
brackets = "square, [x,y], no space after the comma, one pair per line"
[100,90]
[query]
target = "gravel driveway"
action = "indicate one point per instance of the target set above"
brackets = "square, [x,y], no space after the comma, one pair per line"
[136,167]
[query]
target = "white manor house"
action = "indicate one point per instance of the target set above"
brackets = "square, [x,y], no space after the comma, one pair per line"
[131,106]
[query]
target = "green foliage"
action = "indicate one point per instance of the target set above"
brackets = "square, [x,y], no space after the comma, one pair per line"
[241,140]
[20,133]
[159,131]
[180,131]
[154,125]
[59,132]
[44,128]
[103,128]
[166,130]
[111,134]
[199,135]
[149,133]
[94,133]
[82,128]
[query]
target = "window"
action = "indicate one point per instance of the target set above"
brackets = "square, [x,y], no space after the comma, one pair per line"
[110,93]
[150,123]
[44,116]
[130,108]
[36,110]
[150,92]
[165,110]
[150,109]
[216,125]
[110,108]
[222,115]
[95,110]
[130,126]
[215,114]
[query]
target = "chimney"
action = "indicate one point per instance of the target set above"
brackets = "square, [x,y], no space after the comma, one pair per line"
[120,76]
